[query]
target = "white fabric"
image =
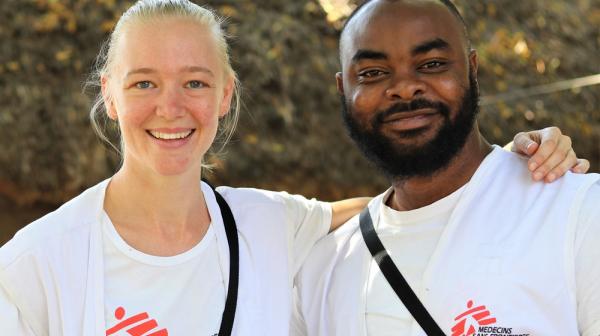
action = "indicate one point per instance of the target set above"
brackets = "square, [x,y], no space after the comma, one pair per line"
[587,262]
[52,271]
[410,237]
[510,244]
[180,293]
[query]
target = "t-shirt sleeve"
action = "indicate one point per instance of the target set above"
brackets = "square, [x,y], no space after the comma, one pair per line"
[587,265]
[11,322]
[309,220]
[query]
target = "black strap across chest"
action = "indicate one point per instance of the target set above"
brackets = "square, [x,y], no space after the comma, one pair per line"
[234,265]
[395,278]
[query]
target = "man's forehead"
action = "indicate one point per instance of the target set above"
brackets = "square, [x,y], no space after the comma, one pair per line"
[381,20]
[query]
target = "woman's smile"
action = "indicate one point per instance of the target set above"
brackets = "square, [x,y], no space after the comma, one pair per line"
[171,138]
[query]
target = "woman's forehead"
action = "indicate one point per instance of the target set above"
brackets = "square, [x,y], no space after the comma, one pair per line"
[166,44]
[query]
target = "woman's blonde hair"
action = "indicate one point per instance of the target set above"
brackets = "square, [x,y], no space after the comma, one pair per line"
[147,10]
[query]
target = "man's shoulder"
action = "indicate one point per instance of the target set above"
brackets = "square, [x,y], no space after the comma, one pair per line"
[507,162]
[347,233]
[325,252]
[340,236]
[589,210]
[340,245]
[594,190]
[502,166]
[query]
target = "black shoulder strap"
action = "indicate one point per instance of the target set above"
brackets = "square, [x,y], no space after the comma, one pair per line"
[234,265]
[395,278]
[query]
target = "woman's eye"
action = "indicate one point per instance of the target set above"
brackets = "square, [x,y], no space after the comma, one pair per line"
[143,85]
[195,84]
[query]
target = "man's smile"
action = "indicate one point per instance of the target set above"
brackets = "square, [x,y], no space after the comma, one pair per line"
[404,121]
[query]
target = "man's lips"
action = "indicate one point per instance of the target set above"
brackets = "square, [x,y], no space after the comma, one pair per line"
[404,121]
[408,115]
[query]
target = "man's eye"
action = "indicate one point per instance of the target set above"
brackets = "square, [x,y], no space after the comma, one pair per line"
[144,85]
[432,65]
[370,73]
[195,84]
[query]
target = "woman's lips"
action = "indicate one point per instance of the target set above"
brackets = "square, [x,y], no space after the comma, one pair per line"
[171,138]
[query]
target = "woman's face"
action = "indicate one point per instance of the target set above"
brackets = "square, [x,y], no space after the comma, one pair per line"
[167,90]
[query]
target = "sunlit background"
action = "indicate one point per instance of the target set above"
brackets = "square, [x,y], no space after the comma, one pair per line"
[336,9]
[538,67]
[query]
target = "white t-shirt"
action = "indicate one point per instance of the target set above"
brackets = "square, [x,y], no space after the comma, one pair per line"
[412,236]
[181,294]
[185,294]
[53,273]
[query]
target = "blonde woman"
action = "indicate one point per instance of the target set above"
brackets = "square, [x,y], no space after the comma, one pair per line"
[153,250]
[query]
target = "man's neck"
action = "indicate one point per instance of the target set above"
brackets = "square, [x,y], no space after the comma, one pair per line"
[417,192]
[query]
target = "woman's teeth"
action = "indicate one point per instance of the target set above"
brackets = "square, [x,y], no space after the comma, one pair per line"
[170,136]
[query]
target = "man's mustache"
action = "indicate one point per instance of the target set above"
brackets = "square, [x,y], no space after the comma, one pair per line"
[416,104]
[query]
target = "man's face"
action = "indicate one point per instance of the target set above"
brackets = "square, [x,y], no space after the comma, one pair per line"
[408,86]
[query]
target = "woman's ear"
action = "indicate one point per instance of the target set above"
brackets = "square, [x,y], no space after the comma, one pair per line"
[228,90]
[107,97]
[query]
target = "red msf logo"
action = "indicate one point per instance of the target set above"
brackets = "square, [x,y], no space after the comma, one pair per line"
[137,325]
[467,322]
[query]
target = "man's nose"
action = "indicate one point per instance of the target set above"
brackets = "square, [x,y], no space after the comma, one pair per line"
[405,87]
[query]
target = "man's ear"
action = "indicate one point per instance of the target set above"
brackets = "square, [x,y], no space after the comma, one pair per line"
[339,82]
[106,96]
[228,90]
[473,62]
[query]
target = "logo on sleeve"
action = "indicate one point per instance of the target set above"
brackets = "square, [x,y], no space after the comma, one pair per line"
[479,321]
[137,325]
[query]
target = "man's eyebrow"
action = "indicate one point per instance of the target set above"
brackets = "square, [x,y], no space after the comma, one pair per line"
[428,46]
[362,54]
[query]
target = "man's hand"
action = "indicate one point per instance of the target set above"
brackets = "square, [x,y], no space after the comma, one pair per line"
[551,153]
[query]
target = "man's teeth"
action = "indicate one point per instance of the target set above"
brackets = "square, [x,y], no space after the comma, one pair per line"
[170,136]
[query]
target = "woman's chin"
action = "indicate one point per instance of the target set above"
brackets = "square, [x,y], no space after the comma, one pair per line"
[172,169]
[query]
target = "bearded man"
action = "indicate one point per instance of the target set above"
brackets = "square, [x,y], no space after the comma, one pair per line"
[463,242]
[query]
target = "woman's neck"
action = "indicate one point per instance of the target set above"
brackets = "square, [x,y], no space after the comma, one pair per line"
[159,215]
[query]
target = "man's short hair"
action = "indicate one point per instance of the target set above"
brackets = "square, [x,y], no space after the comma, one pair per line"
[446,3]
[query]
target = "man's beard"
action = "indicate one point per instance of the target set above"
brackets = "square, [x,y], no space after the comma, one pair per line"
[400,161]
